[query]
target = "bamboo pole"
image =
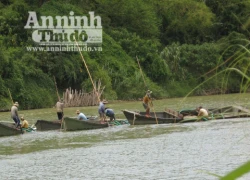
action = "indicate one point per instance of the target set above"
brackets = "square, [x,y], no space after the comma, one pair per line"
[154,111]
[87,70]
[56,89]
[141,71]
[10,96]
[151,102]
[58,100]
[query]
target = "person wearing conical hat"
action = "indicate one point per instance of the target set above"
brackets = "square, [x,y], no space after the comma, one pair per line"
[14,114]
[146,101]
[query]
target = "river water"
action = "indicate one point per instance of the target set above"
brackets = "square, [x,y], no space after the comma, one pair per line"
[170,151]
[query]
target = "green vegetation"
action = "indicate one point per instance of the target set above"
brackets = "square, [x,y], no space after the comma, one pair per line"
[180,44]
[237,173]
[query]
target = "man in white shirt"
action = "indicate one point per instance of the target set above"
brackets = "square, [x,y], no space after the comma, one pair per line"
[81,116]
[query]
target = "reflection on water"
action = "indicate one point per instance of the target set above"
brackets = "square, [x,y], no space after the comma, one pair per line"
[38,141]
[172,151]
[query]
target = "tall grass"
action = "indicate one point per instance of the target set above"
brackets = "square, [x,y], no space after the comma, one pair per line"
[237,66]
[238,172]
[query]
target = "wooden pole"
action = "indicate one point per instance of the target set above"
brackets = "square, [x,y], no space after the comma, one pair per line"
[58,100]
[154,111]
[56,89]
[87,70]
[141,72]
[10,96]
[150,103]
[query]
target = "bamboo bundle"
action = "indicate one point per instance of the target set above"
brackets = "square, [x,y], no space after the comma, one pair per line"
[75,98]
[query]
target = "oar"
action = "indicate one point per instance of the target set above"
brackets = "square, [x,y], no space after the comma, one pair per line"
[146,87]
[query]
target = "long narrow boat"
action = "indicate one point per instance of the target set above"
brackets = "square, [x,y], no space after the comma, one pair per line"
[72,124]
[170,116]
[136,118]
[9,129]
[224,112]
[44,125]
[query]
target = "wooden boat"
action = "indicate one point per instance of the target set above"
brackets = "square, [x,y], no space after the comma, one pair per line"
[136,118]
[171,116]
[230,112]
[44,125]
[9,129]
[224,112]
[72,124]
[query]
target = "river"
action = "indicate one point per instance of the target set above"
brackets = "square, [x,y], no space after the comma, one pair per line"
[171,151]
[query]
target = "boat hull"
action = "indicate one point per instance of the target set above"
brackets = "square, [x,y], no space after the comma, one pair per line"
[8,129]
[135,118]
[228,111]
[186,116]
[72,124]
[43,125]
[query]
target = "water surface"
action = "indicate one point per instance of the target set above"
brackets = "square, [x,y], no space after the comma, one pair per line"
[169,151]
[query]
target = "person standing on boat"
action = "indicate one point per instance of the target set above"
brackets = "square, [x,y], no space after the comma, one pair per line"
[110,113]
[14,114]
[59,109]
[81,116]
[147,102]
[202,113]
[25,123]
[101,110]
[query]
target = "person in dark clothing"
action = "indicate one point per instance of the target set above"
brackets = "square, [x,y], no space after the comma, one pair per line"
[110,113]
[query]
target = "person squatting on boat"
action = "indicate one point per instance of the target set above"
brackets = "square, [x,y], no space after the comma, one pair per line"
[59,109]
[147,102]
[25,123]
[101,110]
[202,113]
[14,114]
[110,113]
[81,116]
